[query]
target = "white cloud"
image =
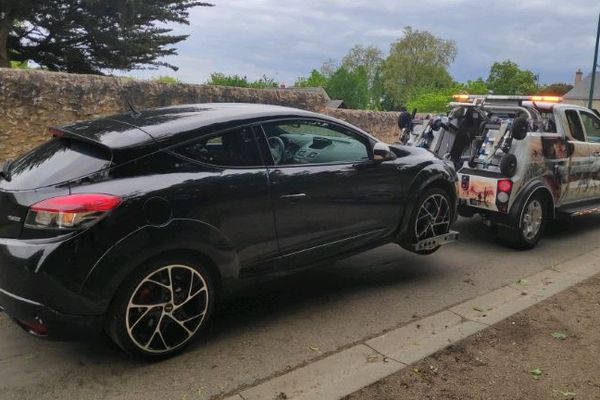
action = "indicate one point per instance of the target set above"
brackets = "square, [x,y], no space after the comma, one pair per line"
[286,39]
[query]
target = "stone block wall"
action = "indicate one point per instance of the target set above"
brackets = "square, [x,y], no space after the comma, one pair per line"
[32,100]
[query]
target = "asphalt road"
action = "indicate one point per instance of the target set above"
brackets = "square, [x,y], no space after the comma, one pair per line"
[287,322]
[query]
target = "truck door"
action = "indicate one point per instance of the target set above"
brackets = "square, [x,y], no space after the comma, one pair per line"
[579,165]
[591,125]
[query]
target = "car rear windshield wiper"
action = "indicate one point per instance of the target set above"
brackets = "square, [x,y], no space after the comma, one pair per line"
[6,170]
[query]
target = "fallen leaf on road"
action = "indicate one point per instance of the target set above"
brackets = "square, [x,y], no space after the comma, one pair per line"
[536,373]
[478,309]
[566,394]
[523,282]
[315,349]
[559,336]
[372,358]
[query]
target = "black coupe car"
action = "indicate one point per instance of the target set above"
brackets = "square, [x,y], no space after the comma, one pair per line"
[133,224]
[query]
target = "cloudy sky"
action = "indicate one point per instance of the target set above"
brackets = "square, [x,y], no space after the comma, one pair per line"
[286,39]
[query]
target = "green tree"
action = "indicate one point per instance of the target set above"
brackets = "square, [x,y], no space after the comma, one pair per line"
[478,86]
[91,36]
[506,78]
[314,80]
[555,89]
[418,61]
[369,57]
[220,79]
[350,86]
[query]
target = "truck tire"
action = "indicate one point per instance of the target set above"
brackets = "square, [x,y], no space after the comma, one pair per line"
[529,228]
[508,165]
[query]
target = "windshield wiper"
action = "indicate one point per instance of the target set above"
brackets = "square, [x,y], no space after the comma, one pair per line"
[6,170]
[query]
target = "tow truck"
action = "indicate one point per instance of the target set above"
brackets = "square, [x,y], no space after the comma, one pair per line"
[522,161]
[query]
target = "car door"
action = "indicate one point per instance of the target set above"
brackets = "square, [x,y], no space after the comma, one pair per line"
[579,167]
[591,125]
[329,196]
[232,193]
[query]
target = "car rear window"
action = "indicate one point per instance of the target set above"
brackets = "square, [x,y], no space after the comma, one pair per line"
[56,161]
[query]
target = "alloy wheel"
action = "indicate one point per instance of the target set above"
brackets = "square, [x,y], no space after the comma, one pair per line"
[167,308]
[531,222]
[433,218]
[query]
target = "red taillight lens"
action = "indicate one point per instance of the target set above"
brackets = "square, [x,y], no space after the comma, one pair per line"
[505,186]
[70,212]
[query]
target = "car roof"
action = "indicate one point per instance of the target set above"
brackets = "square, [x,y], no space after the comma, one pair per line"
[157,127]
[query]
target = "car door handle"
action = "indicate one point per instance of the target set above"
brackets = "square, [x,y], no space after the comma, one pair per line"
[293,197]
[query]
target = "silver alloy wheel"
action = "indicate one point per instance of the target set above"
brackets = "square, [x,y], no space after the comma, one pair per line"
[433,218]
[167,308]
[531,222]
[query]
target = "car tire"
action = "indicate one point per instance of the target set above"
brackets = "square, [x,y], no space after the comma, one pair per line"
[530,226]
[421,225]
[161,308]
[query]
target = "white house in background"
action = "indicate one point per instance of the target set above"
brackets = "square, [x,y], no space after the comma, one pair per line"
[581,92]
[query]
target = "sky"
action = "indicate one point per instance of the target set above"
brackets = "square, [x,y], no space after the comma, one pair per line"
[286,39]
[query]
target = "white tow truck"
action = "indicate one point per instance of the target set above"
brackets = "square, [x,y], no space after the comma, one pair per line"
[522,160]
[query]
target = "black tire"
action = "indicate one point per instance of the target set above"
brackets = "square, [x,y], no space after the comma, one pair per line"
[520,236]
[520,128]
[416,222]
[177,332]
[508,165]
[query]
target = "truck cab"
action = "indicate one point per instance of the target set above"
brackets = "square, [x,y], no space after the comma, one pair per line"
[522,161]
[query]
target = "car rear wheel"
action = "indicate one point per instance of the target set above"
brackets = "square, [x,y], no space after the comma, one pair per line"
[161,308]
[431,217]
[530,226]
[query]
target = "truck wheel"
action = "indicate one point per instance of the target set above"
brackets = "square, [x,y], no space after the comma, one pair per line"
[161,308]
[431,217]
[508,165]
[530,226]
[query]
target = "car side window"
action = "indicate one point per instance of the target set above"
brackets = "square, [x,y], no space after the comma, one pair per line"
[236,148]
[575,125]
[314,142]
[592,127]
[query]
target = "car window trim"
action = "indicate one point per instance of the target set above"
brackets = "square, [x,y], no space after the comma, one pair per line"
[171,149]
[594,116]
[365,140]
[577,112]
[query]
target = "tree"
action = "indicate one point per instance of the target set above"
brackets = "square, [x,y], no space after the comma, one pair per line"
[314,80]
[91,36]
[418,61]
[555,89]
[220,79]
[478,86]
[370,58]
[350,86]
[506,78]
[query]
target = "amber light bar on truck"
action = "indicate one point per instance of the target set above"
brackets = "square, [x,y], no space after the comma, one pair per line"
[543,99]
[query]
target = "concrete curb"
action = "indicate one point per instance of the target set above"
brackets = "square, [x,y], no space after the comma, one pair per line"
[345,372]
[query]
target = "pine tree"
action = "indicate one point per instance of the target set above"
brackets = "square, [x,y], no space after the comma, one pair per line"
[91,36]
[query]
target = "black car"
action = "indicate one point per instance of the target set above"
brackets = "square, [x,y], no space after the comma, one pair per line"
[133,224]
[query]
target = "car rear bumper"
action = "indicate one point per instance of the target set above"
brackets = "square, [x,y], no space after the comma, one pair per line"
[42,321]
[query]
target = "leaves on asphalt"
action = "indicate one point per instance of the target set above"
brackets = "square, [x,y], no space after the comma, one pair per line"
[565,393]
[537,373]
[523,282]
[559,336]
[316,349]
[478,309]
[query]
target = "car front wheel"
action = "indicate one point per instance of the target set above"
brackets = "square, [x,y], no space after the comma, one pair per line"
[431,217]
[161,308]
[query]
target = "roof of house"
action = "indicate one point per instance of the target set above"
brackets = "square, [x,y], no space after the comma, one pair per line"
[581,91]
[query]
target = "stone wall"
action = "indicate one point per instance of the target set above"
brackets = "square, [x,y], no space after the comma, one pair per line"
[382,125]
[32,101]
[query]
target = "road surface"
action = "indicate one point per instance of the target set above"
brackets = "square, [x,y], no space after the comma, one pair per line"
[287,322]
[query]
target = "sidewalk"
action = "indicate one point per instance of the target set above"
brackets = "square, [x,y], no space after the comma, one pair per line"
[548,351]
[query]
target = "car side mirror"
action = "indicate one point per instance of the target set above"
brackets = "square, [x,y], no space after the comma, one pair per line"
[382,152]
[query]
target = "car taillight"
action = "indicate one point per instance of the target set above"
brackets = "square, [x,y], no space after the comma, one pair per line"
[503,194]
[70,212]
